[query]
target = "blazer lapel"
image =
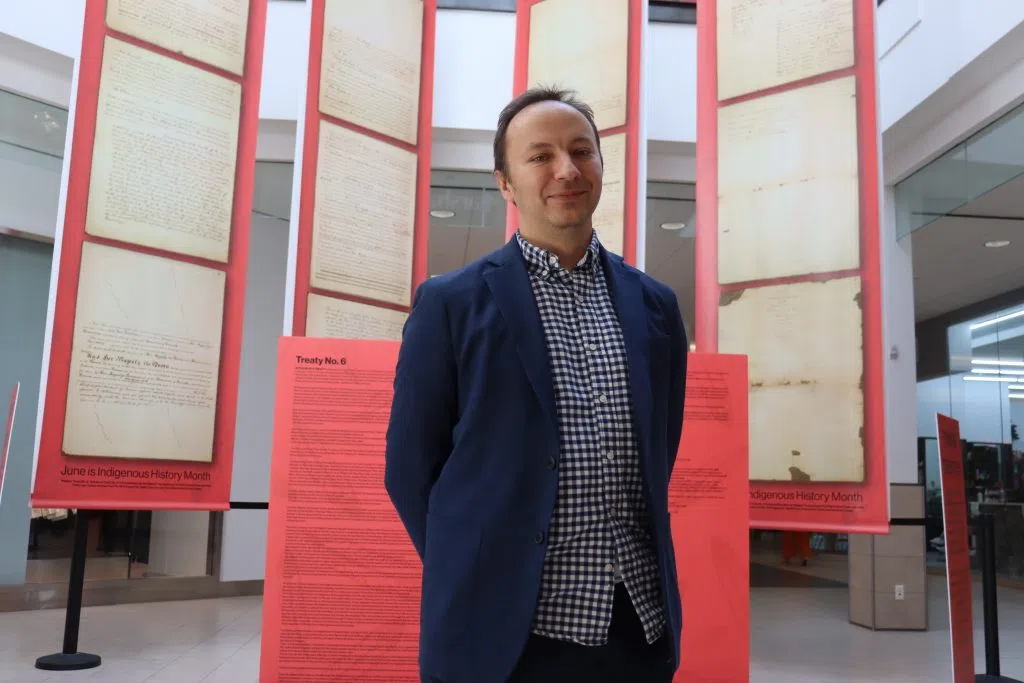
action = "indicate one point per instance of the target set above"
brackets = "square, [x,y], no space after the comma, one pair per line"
[628,297]
[510,284]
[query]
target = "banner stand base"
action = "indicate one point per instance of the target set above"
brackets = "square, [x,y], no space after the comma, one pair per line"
[986,678]
[70,659]
[74,661]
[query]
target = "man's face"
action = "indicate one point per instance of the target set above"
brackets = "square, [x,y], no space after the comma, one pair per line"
[554,167]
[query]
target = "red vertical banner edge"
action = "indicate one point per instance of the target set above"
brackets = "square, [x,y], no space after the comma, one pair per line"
[520,79]
[958,562]
[305,176]
[634,111]
[298,284]
[424,141]
[869,144]
[47,490]
[706,239]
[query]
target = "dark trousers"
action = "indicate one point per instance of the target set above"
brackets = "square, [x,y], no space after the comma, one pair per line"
[626,658]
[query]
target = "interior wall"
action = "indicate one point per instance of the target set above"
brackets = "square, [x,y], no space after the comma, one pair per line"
[261,329]
[899,351]
[29,190]
[24,291]
[244,531]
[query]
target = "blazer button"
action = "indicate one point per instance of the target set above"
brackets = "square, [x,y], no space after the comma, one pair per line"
[538,537]
[552,463]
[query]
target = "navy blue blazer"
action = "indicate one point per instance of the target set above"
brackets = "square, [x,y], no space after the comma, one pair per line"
[473,450]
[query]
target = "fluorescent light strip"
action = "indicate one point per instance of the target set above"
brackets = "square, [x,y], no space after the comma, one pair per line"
[996,321]
[989,361]
[1017,396]
[1011,373]
[970,378]
[1016,387]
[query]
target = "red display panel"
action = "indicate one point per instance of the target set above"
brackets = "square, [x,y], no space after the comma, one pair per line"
[63,481]
[959,583]
[852,506]
[633,175]
[707,501]
[307,171]
[353,605]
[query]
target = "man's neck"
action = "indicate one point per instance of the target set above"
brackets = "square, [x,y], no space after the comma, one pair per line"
[569,245]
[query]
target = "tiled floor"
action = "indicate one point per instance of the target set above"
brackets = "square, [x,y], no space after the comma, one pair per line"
[798,635]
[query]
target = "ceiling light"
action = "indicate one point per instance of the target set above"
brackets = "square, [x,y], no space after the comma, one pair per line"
[995,321]
[1016,387]
[997,372]
[970,378]
[1017,396]
[442,213]
[673,225]
[997,244]
[992,361]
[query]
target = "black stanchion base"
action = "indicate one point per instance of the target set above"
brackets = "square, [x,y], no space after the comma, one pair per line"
[76,661]
[985,678]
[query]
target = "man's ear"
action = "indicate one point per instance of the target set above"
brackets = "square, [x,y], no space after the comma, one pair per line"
[504,187]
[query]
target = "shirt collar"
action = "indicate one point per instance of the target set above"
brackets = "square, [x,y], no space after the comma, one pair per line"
[544,262]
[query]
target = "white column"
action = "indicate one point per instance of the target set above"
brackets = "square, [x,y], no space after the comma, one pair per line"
[900,355]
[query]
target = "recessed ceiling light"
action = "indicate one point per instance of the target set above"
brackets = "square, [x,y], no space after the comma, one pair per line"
[673,226]
[996,244]
[442,213]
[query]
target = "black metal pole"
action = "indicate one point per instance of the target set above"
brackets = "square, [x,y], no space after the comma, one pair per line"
[70,659]
[990,601]
[989,597]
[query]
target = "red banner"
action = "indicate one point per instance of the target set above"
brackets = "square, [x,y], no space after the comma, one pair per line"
[350,132]
[708,504]
[144,336]
[342,587]
[959,583]
[817,453]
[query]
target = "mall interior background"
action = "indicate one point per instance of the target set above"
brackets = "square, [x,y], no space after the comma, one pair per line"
[955,194]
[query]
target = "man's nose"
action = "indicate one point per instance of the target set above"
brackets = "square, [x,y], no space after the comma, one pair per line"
[565,168]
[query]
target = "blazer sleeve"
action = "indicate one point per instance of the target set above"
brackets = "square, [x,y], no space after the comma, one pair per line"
[677,380]
[423,411]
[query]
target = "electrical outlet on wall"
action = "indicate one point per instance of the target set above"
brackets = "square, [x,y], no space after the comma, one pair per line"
[900,593]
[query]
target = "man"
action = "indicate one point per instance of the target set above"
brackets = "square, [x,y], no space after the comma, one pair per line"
[537,411]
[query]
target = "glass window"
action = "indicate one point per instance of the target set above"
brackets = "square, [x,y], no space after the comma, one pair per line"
[987,160]
[985,393]
[485,5]
[663,11]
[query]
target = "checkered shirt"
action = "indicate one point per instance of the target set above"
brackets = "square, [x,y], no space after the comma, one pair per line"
[599,534]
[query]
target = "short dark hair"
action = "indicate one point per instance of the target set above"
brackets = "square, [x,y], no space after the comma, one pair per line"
[524,100]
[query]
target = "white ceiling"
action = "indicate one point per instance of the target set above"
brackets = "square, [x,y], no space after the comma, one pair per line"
[953,267]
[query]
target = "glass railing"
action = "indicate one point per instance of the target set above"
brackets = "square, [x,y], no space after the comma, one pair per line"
[987,160]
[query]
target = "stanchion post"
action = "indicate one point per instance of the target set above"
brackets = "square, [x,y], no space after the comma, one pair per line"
[988,591]
[990,600]
[70,659]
